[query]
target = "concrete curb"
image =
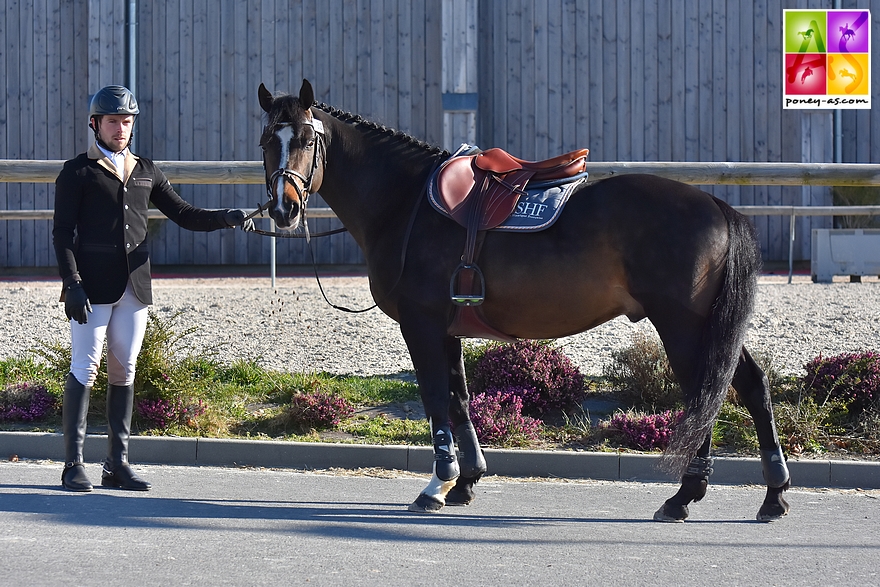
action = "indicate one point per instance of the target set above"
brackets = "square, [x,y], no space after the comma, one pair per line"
[514,463]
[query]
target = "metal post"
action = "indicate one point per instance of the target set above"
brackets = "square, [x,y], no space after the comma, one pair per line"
[791,247]
[272,253]
[131,51]
[836,120]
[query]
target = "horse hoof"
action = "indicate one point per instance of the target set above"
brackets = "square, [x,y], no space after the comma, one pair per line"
[774,506]
[772,511]
[769,517]
[671,513]
[460,496]
[463,492]
[425,504]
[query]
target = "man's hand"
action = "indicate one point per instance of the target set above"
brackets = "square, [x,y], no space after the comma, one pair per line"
[238,218]
[76,303]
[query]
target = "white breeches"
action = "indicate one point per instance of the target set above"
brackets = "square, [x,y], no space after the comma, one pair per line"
[123,324]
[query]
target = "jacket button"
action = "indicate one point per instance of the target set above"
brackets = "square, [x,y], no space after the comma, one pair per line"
[126,206]
[127,227]
[127,245]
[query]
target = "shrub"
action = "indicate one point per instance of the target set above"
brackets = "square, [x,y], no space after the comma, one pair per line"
[856,196]
[869,425]
[642,374]
[163,370]
[165,364]
[29,370]
[735,429]
[853,378]
[498,419]
[25,402]
[162,413]
[808,426]
[471,353]
[317,410]
[646,432]
[545,377]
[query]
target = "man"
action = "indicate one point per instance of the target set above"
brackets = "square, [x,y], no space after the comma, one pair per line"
[100,238]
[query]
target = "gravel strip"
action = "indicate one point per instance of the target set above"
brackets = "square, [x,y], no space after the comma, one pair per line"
[291,327]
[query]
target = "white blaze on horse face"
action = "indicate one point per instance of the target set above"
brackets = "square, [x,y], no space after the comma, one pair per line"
[285,135]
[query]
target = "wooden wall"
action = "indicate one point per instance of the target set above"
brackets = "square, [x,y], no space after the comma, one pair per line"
[201,63]
[657,80]
[677,80]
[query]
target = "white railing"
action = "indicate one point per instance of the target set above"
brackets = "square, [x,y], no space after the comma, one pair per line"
[705,173]
[708,173]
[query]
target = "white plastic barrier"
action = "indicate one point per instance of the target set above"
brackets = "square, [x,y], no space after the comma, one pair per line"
[844,251]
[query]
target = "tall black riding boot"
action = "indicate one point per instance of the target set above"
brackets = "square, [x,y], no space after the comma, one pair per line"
[117,472]
[73,420]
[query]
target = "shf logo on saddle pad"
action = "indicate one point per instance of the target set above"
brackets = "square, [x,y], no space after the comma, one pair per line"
[539,207]
[827,62]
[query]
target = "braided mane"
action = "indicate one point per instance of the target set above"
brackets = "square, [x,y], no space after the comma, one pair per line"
[358,120]
[287,106]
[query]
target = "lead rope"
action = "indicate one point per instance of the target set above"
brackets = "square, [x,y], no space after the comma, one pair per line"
[409,227]
[318,279]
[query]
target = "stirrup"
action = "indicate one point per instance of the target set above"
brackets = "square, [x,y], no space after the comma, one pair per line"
[460,299]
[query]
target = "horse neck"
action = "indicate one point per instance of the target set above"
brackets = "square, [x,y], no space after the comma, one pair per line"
[372,181]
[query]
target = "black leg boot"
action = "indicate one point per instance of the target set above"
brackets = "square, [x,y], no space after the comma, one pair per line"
[74,409]
[117,472]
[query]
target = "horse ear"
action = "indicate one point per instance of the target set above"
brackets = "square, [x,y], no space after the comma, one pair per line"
[266,98]
[306,95]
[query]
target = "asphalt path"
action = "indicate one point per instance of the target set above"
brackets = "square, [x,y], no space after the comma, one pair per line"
[251,526]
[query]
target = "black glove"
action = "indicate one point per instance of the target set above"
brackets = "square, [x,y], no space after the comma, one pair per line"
[238,218]
[76,303]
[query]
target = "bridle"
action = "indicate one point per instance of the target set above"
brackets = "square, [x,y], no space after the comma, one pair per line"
[301,183]
[320,154]
[303,191]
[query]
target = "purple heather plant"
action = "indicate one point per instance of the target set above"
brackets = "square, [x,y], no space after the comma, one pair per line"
[161,413]
[25,402]
[646,432]
[318,410]
[853,378]
[498,419]
[546,377]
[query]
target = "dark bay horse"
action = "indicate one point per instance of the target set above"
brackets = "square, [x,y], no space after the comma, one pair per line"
[633,245]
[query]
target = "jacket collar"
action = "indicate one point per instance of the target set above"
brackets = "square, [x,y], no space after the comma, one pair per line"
[130,161]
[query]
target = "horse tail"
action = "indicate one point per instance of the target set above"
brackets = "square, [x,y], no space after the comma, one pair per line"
[724,335]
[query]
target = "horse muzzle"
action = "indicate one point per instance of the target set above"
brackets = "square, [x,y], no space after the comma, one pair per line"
[286,214]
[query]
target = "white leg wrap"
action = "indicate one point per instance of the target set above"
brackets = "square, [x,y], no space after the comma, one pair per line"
[437,488]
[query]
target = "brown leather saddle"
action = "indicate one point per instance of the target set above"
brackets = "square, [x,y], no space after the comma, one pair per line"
[480,192]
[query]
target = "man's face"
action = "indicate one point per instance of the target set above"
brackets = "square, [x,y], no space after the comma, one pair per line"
[115,130]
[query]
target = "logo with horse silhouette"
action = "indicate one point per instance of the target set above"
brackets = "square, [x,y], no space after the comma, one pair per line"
[827,60]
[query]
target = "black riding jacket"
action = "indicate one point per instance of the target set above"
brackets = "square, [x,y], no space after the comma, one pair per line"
[100,228]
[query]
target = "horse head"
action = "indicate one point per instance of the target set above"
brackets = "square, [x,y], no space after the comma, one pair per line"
[294,153]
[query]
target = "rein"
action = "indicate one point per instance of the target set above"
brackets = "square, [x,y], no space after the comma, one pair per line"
[262,207]
[404,248]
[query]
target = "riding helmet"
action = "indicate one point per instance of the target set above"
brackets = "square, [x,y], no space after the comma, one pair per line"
[113,100]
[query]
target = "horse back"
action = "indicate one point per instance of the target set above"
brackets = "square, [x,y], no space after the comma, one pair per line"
[624,246]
